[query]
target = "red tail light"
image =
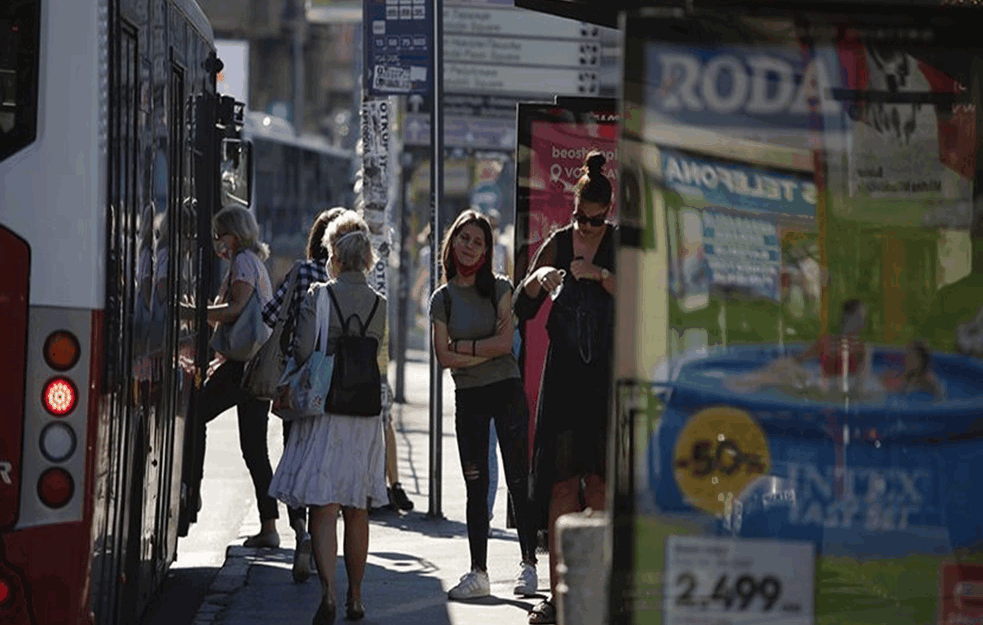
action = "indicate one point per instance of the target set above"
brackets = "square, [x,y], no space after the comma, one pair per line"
[55,488]
[6,592]
[60,396]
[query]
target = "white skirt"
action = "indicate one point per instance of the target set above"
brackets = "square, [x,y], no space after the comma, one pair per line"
[332,459]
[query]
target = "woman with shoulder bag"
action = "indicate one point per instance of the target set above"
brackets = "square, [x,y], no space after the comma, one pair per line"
[286,306]
[236,237]
[471,315]
[332,461]
[575,266]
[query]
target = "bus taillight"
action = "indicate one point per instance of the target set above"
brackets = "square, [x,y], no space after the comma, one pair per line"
[6,592]
[55,488]
[58,442]
[60,396]
[61,350]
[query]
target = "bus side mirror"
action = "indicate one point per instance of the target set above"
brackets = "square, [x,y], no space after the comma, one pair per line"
[237,171]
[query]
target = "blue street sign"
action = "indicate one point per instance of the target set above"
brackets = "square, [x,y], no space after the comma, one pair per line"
[398,42]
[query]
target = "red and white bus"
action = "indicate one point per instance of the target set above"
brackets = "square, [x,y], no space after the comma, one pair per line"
[111,142]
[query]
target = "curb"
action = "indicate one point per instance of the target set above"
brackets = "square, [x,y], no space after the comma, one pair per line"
[230,578]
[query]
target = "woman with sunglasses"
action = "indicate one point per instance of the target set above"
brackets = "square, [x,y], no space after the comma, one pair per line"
[569,456]
[236,239]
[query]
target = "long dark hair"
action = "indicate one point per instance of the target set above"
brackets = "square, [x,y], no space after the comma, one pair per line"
[315,248]
[484,280]
[594,186]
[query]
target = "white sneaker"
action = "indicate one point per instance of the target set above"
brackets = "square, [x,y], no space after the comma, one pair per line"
[526,582]
[472,585]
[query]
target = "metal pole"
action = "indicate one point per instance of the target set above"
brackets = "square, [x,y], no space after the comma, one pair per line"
[403,287]
[436,235]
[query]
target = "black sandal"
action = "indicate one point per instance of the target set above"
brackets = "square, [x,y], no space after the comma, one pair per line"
[354,610]
[325,613]
[544,612]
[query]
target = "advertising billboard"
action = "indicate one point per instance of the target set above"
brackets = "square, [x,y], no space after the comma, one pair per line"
[798,382]
[553,140]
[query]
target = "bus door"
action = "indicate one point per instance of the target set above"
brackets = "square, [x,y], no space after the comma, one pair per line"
[799,374]
[221,171]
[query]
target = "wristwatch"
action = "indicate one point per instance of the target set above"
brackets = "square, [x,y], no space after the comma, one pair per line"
[605,274]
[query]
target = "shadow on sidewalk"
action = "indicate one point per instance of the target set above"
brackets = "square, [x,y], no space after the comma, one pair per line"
[180,597]
[525,604]
[419,523]
[405,589]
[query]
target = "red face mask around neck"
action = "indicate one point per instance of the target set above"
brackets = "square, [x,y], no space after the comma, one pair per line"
[469,270]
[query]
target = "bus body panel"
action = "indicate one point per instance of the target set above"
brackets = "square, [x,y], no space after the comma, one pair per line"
[110,201]
[15,256]
[61,212]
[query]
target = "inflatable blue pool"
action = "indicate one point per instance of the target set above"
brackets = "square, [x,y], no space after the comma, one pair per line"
[873,473]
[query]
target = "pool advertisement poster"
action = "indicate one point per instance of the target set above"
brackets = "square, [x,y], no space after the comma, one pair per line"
[554,139]
[806,445]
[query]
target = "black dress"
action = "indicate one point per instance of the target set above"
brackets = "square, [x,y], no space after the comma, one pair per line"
[572,416]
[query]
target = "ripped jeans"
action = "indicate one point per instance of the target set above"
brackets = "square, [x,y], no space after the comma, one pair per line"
[505,402]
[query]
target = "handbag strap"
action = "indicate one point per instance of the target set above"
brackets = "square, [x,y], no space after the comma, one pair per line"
[288,297]
[323,321]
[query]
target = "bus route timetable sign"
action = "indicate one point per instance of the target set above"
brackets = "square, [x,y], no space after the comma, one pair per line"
[725,581]
[398,37]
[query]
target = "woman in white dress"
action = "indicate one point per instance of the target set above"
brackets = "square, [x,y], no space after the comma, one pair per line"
[335,462]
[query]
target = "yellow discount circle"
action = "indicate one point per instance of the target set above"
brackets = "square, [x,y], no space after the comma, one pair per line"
[720,451]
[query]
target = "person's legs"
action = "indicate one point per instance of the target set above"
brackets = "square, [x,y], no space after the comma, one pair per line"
[356,548]
[392,470]
[217,395]
[253,421]
[471,424]
[565,498]
[324,536]
[297,516]
[512,425]
[492,468]
[595,492]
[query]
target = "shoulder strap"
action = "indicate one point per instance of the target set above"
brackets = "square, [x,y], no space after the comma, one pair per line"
[323,320]
[345,321]
[375,306]
[228,277]
[286,304]
[337,309]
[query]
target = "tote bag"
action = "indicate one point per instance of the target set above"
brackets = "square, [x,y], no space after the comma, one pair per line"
[264,370]
[241,339]
[304,388]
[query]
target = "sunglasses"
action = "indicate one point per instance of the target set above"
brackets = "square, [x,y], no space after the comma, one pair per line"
[597,221]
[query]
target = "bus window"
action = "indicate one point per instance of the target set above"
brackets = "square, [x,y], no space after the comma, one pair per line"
[19,37]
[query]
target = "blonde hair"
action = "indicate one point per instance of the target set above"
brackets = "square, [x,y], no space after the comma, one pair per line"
[347,240]
[240,222]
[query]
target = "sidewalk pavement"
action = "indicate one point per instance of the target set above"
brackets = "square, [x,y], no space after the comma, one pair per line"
[413,559]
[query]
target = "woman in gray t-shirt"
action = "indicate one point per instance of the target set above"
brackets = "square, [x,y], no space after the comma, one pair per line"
[472,323]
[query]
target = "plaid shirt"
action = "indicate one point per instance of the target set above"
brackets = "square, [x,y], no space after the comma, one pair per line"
[310,271]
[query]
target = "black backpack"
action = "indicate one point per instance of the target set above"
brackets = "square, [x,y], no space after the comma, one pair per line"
[356,386]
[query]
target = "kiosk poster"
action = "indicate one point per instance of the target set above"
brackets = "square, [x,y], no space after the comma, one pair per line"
[806,448]
[553,140]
